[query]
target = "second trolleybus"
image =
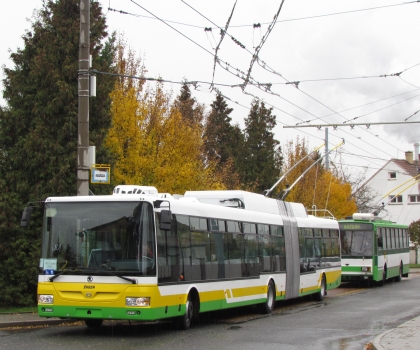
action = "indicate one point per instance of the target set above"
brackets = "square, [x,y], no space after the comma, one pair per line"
[373,249]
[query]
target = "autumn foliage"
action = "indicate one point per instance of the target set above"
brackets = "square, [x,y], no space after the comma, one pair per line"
[154,141]
[319,189]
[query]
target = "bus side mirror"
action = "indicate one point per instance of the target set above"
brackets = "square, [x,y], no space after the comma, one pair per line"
[26,217]
[165,220]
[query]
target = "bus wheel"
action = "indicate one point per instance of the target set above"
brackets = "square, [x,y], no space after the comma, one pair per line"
[319,296]
[93,322]
[268,306]
[184,322]
[399,277]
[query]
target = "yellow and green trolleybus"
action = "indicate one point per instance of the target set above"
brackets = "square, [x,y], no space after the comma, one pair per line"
[373,249]
[143,256]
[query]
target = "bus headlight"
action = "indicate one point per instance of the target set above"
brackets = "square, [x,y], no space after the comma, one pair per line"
[45,299]
[366,268]
[143,301]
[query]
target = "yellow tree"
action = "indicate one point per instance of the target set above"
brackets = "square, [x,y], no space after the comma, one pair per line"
[335,195]
[172,148]
[318,189]
[303,191]
[125,135]
[151,141]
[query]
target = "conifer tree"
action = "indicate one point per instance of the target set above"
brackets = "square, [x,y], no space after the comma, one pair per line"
[223,142]
[218,131]
[261,159]
[191,111]
[38,131]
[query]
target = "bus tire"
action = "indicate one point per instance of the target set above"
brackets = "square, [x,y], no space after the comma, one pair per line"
[319,296]
[93,322]
[399,277]
[184,322]
[268,306]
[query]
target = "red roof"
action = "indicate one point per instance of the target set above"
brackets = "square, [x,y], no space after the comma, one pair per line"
[408,168]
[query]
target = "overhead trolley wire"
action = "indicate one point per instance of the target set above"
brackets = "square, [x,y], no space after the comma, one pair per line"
[268,87]
[296,83]
[366,104]
[346,119]
[222,35]
[259,26]
[411,115]
[326,15]
[163,21]
[409,83]
[223,32]
[380,109]
[269,91]
[265,23]
[169,21]
[258,85]
[259,47]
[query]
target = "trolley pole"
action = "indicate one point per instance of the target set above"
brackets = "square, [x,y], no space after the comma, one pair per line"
[83,103]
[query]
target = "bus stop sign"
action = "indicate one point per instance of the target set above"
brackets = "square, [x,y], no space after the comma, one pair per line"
[100,174]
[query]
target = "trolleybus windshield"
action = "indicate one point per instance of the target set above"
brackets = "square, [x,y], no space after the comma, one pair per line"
[98,238]
[356,239]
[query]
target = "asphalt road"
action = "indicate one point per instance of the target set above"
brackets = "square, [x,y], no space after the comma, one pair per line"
[349,318]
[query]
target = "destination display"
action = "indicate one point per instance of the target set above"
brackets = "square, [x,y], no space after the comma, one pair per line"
[354,226]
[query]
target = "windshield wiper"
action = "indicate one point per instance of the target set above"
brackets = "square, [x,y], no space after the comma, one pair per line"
[133,281]
[63,272]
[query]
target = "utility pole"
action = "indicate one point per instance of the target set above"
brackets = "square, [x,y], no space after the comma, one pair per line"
[327,157]
[83,110]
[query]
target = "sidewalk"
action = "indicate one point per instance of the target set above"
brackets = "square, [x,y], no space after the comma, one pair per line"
[405,336]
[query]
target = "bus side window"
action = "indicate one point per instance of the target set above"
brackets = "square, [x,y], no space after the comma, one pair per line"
[380,238]
[278,261]
[301,249]
[400,234]
[388,239]
[183,252]
[200,255]
[393,237]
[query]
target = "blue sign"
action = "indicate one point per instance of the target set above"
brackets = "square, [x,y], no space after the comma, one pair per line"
[100,174]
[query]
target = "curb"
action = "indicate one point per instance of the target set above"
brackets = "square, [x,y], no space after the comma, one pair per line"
[41,322]
[376,345]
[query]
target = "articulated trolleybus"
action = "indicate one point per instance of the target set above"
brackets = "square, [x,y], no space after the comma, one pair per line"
[373,249]
[143,256]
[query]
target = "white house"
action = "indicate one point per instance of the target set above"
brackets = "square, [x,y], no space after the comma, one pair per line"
[397,188]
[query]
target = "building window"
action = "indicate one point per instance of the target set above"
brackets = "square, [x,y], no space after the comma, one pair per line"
[392,175]
[395,199]
[414,198]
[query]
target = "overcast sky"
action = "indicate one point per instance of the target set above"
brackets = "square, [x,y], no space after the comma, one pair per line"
[336,50]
